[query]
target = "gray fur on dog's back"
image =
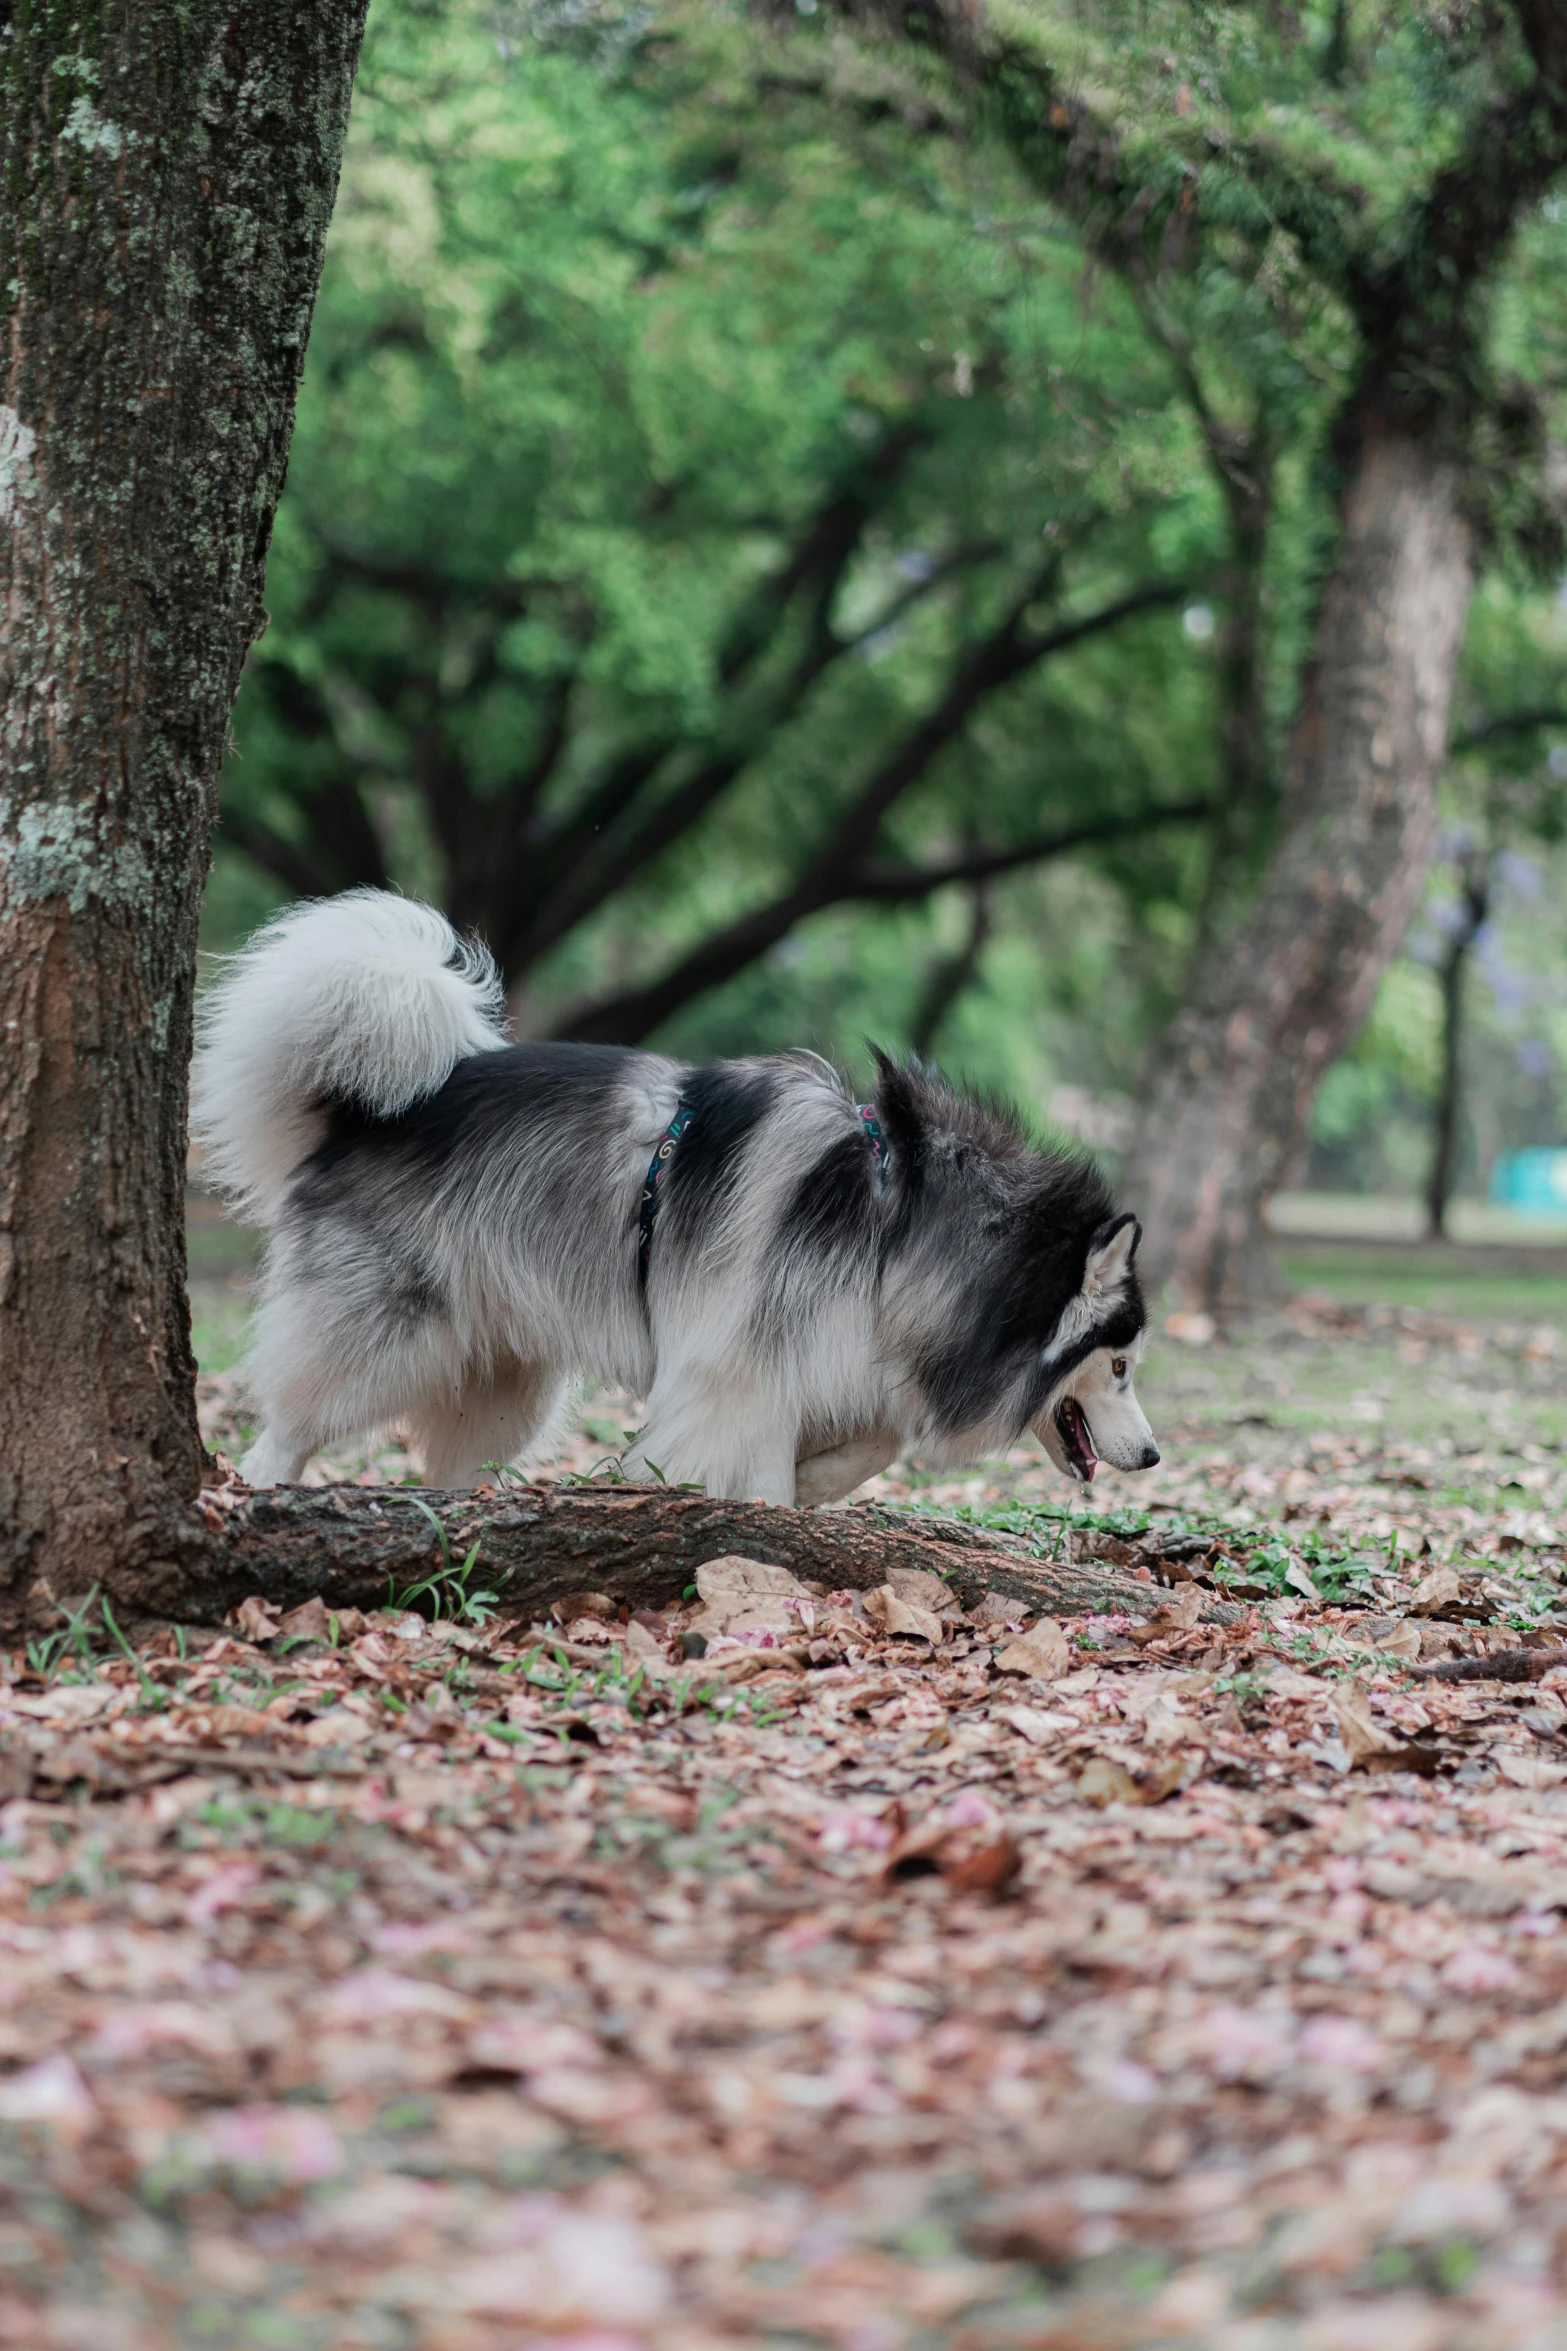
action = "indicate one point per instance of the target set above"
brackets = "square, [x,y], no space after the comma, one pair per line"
[456,1236]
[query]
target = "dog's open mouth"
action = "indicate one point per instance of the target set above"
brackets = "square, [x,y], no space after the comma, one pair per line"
[1072,1428]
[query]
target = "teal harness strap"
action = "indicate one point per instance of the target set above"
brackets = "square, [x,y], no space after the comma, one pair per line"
[647,1214]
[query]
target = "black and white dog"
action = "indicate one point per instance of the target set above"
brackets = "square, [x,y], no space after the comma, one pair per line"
[803,1287]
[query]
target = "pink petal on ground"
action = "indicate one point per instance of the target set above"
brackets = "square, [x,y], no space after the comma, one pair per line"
[50,2091]
[597,2340]
[372,1992]
[221,1891]
[530,2044]
[1240,2041]
[1129,2083]
[131,2031]
[971,1810]
[585,2269]
[410,1938]
[1476,1968]
[1343,2043]
[294,2142]
[846,1827]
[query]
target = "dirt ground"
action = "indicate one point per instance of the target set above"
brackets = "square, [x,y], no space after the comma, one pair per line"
[871,1978]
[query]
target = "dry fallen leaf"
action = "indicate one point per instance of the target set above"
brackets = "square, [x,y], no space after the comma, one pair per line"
[1526,1770]
[1043,1654]
[746,1665]
[747,1595]
[643,1647]
[68,1706]
[1183,1610]
[76,1759]
[1360,1735]
[422,1788]
[1436,1593]
[340,1726]
[228,1722]
[1390,1636]
[1191,1327]
[572,1605]
[1167,1725]
[1034,1724]
[1086,1543]
[964,1844]
[1370,1748]
[891,1613]
[734,1576]
[1104,1781]
[984,1869]
[310,1621]
[921,1589]
[256,1619]
[1000,1609]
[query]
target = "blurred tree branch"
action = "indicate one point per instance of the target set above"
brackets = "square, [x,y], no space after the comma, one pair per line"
[843,867]
[1506,723]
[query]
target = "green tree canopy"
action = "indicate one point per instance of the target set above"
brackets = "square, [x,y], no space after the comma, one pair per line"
[747,498]
[705,511]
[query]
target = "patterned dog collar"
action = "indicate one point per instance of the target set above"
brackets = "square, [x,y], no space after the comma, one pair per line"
[870,1126]
[873,1134]
[654,1177]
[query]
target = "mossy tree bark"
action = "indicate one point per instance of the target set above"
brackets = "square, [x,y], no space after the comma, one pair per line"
[166,178]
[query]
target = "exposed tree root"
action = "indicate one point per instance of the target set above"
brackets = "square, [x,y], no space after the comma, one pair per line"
[1502,1665]
[537,1544]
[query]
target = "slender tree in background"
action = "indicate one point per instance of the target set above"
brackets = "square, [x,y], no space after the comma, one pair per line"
[1466,920]
[1424,445]
[168,174]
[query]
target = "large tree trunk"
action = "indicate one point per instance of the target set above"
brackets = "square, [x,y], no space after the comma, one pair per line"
[1273,1004]
[168,176]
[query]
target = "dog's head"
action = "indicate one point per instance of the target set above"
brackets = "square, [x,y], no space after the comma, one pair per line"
[1090,1412]
[1020,1277]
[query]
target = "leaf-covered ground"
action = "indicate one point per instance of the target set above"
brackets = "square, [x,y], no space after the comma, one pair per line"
[873,1979]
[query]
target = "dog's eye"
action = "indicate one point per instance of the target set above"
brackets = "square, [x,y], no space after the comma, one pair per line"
[1118,1366]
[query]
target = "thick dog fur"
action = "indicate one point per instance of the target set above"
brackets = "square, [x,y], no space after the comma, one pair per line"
[454,1237]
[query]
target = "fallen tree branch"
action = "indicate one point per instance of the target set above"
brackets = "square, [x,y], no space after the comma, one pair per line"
[640,1544]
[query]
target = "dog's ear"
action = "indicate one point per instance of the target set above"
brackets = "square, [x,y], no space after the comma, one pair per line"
[1110,1253]
[897,1103]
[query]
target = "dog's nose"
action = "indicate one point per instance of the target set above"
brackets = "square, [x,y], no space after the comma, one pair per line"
[1150,1459]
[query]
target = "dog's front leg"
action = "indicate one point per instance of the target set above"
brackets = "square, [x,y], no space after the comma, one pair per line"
[827,1477]
[697,1436]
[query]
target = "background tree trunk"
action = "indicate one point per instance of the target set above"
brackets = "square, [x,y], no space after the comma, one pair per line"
[168,177]
[1468,921]
[1274,1003]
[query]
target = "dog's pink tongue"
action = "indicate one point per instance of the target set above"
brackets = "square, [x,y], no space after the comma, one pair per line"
[1085,1437]
[1082,1442]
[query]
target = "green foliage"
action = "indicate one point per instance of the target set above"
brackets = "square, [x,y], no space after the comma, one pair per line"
[448,1590]
[689,403]
[598,345]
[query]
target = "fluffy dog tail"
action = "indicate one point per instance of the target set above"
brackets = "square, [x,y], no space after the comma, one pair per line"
[367,999]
